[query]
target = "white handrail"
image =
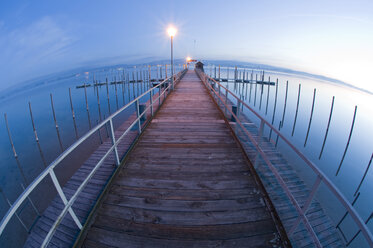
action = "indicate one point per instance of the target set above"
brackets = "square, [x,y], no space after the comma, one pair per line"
[350,209]
[49,170]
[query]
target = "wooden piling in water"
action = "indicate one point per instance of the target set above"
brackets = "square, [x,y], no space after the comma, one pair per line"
[98,104]
[296,111]
[73,115]
[36,137]
[23,176]
[56,124]
[108,97]
[268,87]
[87,108]
[348,141]
[274,110]
[327,127]
[285,102]
[311,115]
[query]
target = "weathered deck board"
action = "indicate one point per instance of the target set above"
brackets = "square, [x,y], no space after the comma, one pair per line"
[186,184]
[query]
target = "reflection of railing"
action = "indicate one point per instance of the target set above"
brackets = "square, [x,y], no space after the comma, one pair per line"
[221,95]
[164,89]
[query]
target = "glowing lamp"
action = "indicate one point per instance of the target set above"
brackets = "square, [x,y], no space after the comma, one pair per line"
[171,31]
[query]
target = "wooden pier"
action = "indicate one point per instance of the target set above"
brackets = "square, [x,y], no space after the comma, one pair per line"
[187,183]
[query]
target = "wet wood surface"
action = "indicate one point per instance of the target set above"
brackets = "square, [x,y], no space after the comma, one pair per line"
[186,184]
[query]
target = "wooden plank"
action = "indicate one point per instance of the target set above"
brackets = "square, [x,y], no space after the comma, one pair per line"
[186,184]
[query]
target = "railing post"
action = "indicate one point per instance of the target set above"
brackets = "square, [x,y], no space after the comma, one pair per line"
[151,101]
[226,100]
[306,205]
[64,199]
[117,161]
[10,205]
[260,135]
[238,108]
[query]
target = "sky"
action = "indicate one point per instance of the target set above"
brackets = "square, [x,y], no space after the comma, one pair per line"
[333,38]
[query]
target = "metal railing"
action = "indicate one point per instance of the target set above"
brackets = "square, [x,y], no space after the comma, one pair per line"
[50,170]
[220,94]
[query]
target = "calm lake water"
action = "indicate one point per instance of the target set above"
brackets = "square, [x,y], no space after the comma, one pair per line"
[359,152]
[16,108]
[262,99]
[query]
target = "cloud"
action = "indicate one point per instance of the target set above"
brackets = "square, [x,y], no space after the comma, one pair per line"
[43,38]
[27,49]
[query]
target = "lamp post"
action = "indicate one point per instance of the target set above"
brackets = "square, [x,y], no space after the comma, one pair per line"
[171,32]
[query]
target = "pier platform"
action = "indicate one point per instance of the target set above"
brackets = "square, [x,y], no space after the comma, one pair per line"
[186,183]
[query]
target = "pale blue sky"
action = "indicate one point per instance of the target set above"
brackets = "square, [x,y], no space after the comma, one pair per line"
[331,38]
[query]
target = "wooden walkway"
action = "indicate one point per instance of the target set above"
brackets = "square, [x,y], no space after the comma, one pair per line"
[320,222]
[186,184]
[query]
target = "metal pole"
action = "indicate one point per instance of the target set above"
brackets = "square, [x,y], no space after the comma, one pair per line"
[138,115]
[256,86]
[306,205]
[172,64]
[261,94]
[117,161]
[327,128]
[157,73]
[98,104]
[137,83]
[108,98]
[274,110]
[345,215]
[251,86]
[16,214]
[279,128]
[226,100]
[358,232]
[64,199]
[99,133]
[151,101]
[261,129]
[309,123]
[348,141]
[86,104]
[116,95]
[36,136]
[268,87]
[14,151]
[123,98]
[296,111]
[73,114]
[286,98]
[31,202]
[365,173]
[128,86]
[55,122]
